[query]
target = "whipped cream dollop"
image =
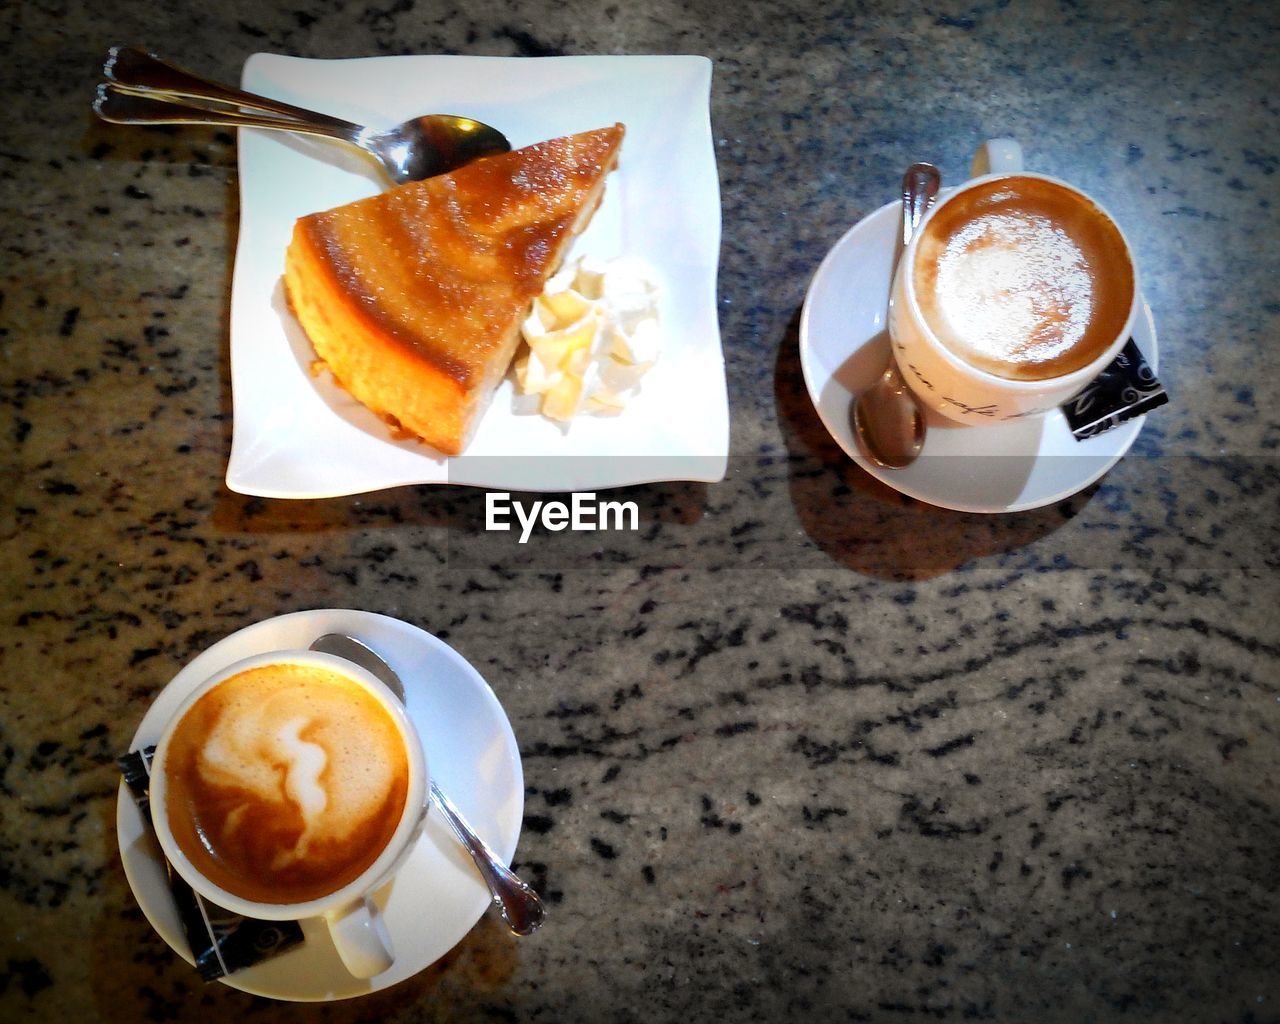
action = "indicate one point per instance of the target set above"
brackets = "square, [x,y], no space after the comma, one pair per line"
[592,334]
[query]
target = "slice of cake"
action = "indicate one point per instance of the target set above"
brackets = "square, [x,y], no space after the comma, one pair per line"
[413,298]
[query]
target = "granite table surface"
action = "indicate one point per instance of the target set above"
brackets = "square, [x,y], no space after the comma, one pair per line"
[800,747]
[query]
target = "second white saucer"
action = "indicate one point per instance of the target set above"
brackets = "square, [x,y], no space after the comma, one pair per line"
[437,896]
[1001,467]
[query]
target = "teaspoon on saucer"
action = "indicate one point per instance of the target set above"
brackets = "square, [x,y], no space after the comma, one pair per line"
[516,900]
[142,89]
[888,422]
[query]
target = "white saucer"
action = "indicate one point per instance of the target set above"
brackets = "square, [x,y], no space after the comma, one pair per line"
[437,897]
[1003,467]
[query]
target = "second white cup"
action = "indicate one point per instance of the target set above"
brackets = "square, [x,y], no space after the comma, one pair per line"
[945,377]
[293,766]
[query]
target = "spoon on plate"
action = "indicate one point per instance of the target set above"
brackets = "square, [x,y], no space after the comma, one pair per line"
[888,421]
[142,89]
[519,905]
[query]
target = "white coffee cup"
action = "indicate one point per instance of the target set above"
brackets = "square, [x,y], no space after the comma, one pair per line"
[351,913]
[946,382]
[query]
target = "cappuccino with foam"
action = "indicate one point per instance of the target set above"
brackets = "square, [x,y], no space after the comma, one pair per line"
[1023,278]
[285,782]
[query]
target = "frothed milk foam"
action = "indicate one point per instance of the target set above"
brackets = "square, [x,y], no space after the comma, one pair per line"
[285,782]
[1023,278]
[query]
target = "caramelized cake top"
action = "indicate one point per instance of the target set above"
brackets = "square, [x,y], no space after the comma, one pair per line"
[442,266]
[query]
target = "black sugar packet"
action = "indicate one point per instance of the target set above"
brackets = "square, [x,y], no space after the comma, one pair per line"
[221,942]
[1126,388]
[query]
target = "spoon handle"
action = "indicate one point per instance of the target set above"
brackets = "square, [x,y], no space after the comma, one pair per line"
[135,70]
[919,188]
[518,903]
[120,107]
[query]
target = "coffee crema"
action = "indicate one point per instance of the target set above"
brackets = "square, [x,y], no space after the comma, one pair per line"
[1023,278]
[285,782]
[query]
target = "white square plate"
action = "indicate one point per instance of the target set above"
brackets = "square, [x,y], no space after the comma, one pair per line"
[300,436]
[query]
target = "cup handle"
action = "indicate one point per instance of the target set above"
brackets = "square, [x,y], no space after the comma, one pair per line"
[361,938]
[997,156]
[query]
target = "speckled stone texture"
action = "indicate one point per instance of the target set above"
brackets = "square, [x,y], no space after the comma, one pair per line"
[801,748]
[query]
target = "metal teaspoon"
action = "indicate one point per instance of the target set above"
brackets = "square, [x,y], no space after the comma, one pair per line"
[519,905]
[888,421]
[142,89]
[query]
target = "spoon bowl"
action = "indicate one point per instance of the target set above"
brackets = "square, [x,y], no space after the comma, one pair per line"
[888,421]
[142,89]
